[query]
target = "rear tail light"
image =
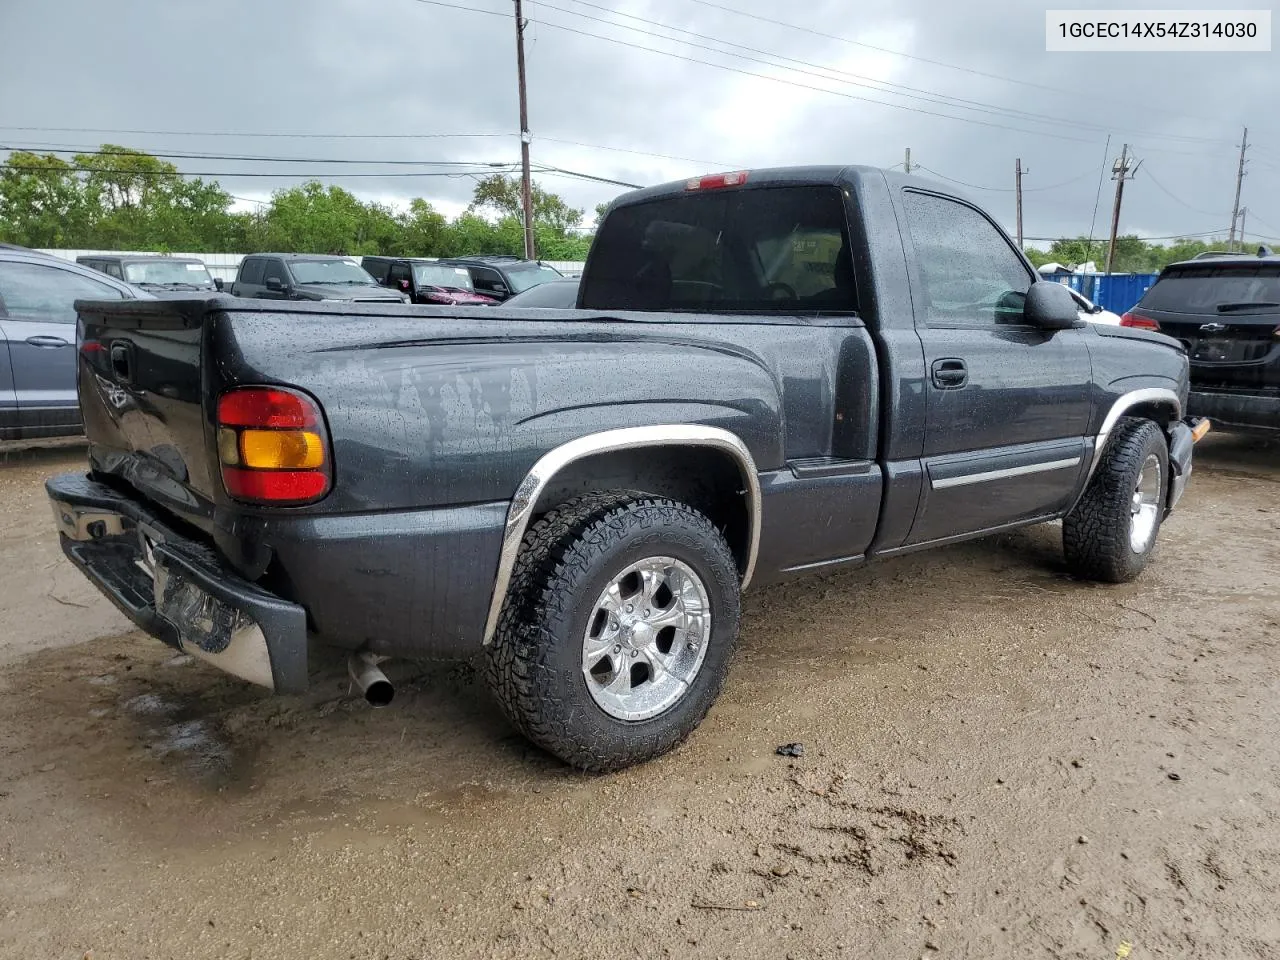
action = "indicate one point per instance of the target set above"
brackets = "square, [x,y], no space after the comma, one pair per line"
[717,180]
[272,446]
[1139,323]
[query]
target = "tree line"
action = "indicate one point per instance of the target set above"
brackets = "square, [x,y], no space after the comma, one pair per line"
[124,199]
[1133,255]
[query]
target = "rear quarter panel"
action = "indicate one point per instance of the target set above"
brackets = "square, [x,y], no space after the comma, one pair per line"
[453,410]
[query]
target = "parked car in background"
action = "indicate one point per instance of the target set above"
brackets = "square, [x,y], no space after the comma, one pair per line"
[162,276]
[554,293]
[309,276]
[502,277]
[769,374]
[1226,311]
[426,281]
[1091,311]
[38,340]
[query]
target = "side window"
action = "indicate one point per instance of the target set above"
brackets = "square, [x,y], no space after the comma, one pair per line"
[30,291]
[398,272]
[969,272]
[376,267]
[113,270]
[274,268]
[484,279]
[251,270]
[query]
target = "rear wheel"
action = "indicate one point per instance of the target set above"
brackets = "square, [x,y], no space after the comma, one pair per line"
[1111,532]
[618,629]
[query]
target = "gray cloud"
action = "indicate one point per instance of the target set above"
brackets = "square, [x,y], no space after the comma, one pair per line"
[405,67]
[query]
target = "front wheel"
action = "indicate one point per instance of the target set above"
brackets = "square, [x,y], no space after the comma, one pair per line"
[617,632]
[1111,532]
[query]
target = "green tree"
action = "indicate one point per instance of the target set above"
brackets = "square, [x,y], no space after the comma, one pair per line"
[501,196]
[422,231]
[43,202]
[313,218]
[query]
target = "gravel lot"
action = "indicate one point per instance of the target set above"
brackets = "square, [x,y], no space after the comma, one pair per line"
[1000,762]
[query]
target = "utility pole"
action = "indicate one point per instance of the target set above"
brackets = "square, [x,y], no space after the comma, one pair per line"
[906,165]
[1017,179]
[1119,173]
[526,187]
[1235,210]
[1243,211]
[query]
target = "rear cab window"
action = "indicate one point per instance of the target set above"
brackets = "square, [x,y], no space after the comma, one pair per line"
[777,250]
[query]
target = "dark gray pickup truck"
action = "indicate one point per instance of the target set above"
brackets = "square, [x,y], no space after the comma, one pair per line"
[768,374]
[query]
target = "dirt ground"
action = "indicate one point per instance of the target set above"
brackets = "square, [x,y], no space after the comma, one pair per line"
[1000,762]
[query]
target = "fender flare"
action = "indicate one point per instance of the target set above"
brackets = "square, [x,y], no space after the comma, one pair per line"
[520,512]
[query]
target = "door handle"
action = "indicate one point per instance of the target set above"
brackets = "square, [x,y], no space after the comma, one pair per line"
[949,374]
[42,341]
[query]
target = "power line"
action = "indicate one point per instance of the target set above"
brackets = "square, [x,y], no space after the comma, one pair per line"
[258,159]
[251,133]
[78,168]
[638,153]
[749,73]
[974,186]
[232,174]
[54,147]
[1169,193]
[910,56]
[916,93]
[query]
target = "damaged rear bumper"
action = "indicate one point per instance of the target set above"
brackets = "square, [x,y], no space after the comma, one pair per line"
[178,589]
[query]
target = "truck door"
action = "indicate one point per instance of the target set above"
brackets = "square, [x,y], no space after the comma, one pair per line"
[1007,404]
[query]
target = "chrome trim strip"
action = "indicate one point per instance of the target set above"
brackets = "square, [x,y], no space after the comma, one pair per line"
[1122,406]
[969,478]
[608,441]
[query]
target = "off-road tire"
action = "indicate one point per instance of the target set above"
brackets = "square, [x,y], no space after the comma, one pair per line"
[534,662]
[1095,534]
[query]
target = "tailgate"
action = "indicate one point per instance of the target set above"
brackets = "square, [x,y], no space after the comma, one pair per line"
[140,384]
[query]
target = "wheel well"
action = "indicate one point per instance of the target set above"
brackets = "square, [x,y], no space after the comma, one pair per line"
[1161,412]
[707,479]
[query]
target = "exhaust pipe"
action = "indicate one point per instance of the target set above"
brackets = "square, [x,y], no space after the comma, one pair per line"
[373,683]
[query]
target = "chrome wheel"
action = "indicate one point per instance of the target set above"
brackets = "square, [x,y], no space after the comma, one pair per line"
[1144,508]
[646,638]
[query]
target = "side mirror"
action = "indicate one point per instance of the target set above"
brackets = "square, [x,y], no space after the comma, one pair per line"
[1097,308]
[274,285]
[404,285]
[217,282]
[1050,307]
[500,289]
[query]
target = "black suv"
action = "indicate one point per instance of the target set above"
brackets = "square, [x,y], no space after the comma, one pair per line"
[309,276]
[501,277]
[156,274]
[1226,312]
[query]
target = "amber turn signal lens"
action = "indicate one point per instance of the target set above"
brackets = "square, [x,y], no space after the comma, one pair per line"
[1200,429]
[281,449]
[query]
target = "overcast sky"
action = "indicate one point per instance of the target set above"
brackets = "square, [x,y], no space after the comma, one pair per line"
[428,72]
